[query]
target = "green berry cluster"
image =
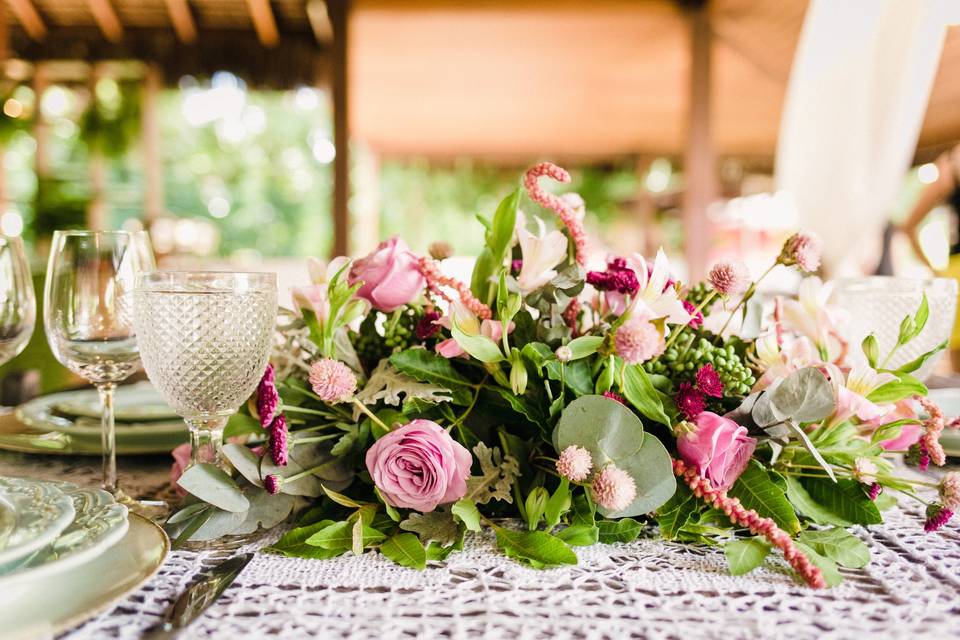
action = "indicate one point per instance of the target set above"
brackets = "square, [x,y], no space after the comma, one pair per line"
[397,334]
[697,294]
[690,352]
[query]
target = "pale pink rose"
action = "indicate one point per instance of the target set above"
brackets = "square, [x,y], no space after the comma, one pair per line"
[718,447]
[419,466]
[390,276]
[181,460]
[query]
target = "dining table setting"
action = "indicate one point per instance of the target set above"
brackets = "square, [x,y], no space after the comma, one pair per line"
[561,447]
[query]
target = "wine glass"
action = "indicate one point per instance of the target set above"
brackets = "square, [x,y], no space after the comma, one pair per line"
[205,338]
[18,306]
[88,315]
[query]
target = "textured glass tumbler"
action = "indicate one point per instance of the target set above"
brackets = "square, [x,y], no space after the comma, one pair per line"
[205,339]
[878,305]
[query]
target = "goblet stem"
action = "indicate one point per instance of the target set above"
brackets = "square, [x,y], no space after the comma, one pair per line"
[108,437]
[206,439]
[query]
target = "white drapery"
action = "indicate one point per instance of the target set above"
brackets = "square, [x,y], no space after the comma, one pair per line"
[855,103]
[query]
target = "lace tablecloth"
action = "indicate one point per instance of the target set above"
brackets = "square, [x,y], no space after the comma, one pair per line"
[648,588]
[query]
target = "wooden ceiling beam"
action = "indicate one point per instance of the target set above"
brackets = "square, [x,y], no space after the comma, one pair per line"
[27,16]
[107,19]
[263,22]
[182,20]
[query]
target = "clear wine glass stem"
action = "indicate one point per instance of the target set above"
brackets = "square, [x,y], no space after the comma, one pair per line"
[206,439]
[109,437]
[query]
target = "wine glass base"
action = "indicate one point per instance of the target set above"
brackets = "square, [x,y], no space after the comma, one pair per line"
[155,510]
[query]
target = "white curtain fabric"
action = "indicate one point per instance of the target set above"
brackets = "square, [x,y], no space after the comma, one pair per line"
[855,103]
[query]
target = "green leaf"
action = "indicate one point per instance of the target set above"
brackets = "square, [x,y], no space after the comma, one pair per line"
[504,222]
[584,346]
[340,536]
[294,543]
[521,405]
[244,461]
[558,504]
[827,566]
[906,387]
[405,549]
[746,554]
[534,506]
[839,545]
[607,374]
[341,499]
[392,513]
[808,507]
[211,484]
[613,433]
[427,366]
[757,491]
[580,535]
[480,347]
[623,530]
[672,516]
[845,499]
[802,436]
[921,317]
[583,510]
[466,511]
[913,365]
[576,375]
[871,350]
[536,548]
[641,393]
[907,327]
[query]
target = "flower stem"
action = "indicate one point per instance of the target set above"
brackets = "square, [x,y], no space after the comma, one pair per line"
[676,332]
[752,289]
[370,414]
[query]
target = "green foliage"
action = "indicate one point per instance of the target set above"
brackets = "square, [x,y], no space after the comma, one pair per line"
[623,530]
[497,474]
[435,526]
[294,543]
[613,433]
[405,549]
[757,491]
[466,512]
[745,554]
[839,545]
[535,548]
[640,392]
[212,485]
[810,508]
[498,237]
[339,536]
[580,535]
[692,351]
[677,511]
[845,499]
[427,366]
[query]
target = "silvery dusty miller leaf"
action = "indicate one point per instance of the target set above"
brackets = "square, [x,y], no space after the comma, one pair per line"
[388,384]
[497,473]
[438,526]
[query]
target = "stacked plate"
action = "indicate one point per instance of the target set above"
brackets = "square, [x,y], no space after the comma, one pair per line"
[69,423]
[949,401]
[66,553]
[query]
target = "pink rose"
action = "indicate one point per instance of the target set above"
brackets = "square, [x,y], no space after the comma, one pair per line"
[181,460]
[419,466]
[390,276]
[718,447]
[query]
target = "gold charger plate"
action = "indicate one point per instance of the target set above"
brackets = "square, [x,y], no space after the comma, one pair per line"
[52,604]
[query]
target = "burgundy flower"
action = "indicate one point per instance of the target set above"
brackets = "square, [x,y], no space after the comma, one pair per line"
[267,397]
[937,516]
[874,491]
[427,327]
[708,381]
[614,396]
[278,441]
[690,401]
[272,484]
[515,266]
[618,277]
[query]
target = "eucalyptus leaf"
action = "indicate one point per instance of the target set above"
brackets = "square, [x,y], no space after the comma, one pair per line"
[613,433]
[245,461]
[266,511]
[805,396]
[212,484]
[220,523]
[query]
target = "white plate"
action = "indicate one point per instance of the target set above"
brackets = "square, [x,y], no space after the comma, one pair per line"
[49,606]
[40,512]
[138,409]
[99,523]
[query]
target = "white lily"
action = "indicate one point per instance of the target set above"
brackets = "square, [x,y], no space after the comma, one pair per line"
[315,296]
[541,253]
[810,315]
[852,391]
[778,361]
[655,294]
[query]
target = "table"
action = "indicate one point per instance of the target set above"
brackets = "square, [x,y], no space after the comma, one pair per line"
[648,588]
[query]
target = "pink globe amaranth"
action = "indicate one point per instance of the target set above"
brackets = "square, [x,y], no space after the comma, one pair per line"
[390,274]
[419,466]
[718,447]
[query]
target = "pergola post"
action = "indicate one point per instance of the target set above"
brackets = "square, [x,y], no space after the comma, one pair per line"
[698,166]
[97,209]
[338,11]
[41,129]
[153,205]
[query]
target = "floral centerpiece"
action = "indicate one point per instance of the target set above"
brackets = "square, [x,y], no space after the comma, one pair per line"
[560,407]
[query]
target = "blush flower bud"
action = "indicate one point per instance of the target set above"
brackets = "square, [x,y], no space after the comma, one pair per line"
[613,488]
[950,491]
[564,353]
[802,249]
[637,341]
[574,463]
[332,380]
[729,278]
